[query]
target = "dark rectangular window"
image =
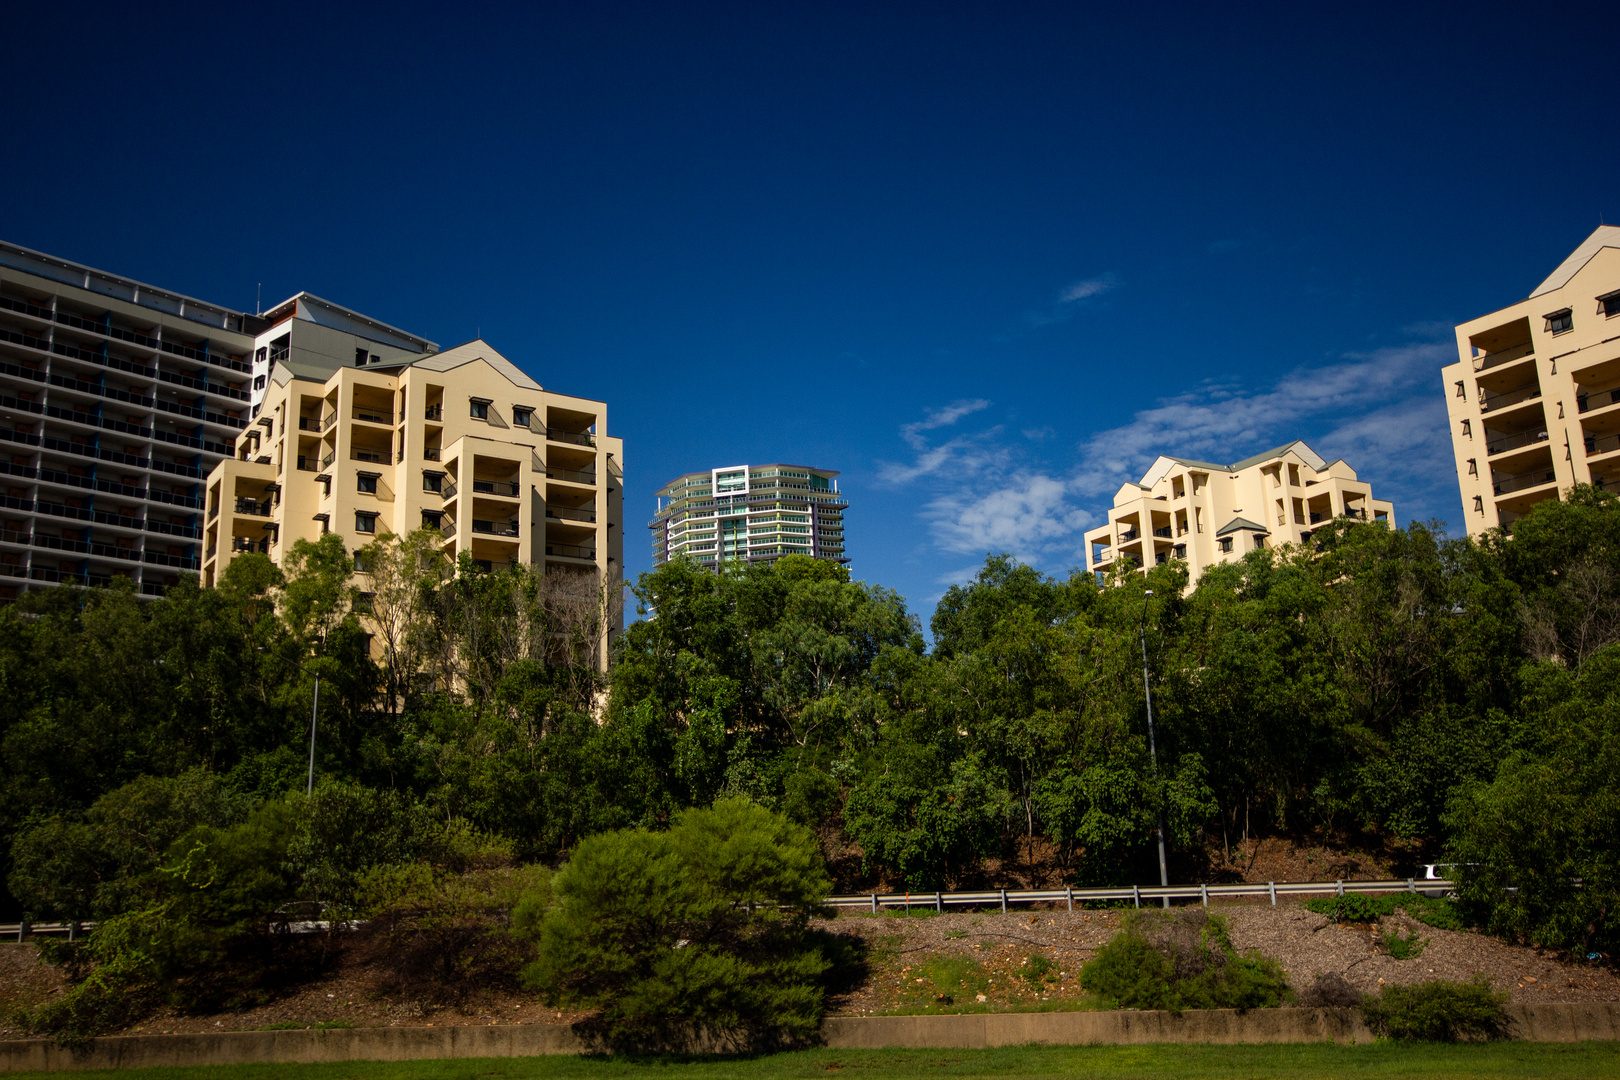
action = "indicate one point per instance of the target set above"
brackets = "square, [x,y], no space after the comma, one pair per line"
[480,409]
[1610,304]
[1226,543]
[522,417]
[432,519]
[368,483]
[360,357]
[363,602]
[365,523]
[1560,321]
[431,481]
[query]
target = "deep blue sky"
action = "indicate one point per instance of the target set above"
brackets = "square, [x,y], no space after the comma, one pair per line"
[986,259]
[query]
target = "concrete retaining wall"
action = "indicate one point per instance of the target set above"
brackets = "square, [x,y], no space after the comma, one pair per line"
[1539,1023]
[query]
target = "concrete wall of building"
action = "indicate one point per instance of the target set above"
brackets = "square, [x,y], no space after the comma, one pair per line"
[1531,405]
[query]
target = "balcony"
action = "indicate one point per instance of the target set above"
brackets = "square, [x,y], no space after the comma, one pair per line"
[1164,532]
[253,508]
[1534,478]
[1489,402]
[503,488]
[374,457]
[495,528]
[430,453]
[1513,442]
[310,423]
[1601,444]
[307,464]
[447,530]
[1503,356]
[242,543]
[1127,537]
[578,438]
[434,413]
[1587,402]
[568,513]
[328,420]
[573,476]
[373,416]
[570,551]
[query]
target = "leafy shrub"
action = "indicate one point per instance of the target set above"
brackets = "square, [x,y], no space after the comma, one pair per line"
[1437,1011]
[446,935]
[1404,946]
[692,938]
[1037,968]
[1330,991]
[1357,908]
[1181,960]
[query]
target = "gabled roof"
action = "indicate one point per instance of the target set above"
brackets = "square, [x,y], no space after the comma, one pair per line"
[1161,465]
[1605,236]
[477,349]
[1306,454]
[1239,525]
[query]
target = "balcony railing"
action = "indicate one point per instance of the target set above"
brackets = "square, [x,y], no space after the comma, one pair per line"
[307,464]
[1164,532]
[310,423]
[1587,402]
[1513,442]
[1531,479]
[568,513]
[1127,537]
[253,507]
[1601,444]
[330,456]
[578,438]
[372,416]
[1496,359]
[430,453]
[375,457]
[574,476]
[434,412]
[495,528]
[571,551]
[1488,401]
[504,488]
[447,530]
[242,543]
[447,489]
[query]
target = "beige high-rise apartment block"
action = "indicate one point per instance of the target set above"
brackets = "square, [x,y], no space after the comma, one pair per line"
[460,441]
[1206,514]
[1534,397]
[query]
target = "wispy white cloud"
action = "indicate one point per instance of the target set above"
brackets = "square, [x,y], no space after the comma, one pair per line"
[938,418]
[1082,290]
[1027,513]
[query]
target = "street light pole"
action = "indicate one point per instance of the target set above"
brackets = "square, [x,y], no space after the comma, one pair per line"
[314,713]
[1153,749]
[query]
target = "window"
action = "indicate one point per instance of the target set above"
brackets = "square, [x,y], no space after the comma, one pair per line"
[480,409]
[368,483]
[1460,391]
[432,519]
[1259,542]
[1226,543]
[1468,428]
[363,602]
[1473,466]
[1609,304]
[364,522]
[360,357]
[1479,505]
[1560,321]
[360,565]
[432,481]
[258,382]
[522,416]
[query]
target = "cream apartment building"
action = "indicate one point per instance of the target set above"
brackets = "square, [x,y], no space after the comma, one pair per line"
[1534,398]
[1205,514]
[460,441]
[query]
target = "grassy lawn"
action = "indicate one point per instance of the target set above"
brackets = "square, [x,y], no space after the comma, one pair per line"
[1586,1060]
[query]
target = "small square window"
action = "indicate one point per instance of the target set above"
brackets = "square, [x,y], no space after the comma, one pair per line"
[1259,542]
[1609,305]
[368,483]
[365,523]
[480,409]
[432,519]
[1560,321]
[1226,543]
[363,602]
[432,481]
[360,357]
[522,417]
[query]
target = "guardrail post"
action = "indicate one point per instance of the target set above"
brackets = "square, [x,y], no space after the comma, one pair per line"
[22,929]
[1341,886]
[1004,901]
[939,902]
[874,903]
[1136,893]
[1411,886]
[1273,887]
[73,930]
[1071,897]
[1203,893]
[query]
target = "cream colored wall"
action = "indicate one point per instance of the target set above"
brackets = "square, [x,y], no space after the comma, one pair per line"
[1587,355]
[1208,499]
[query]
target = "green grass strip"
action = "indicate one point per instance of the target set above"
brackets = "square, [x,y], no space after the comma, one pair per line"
[1152,1062]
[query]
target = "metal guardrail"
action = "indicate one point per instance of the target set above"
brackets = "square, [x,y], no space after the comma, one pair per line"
[991,897]
[1137,893]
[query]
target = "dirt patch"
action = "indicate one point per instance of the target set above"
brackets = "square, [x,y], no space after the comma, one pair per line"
[904,950]
[24,981]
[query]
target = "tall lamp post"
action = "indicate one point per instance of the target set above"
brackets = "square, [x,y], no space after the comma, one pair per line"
[315,711]
[1153,749]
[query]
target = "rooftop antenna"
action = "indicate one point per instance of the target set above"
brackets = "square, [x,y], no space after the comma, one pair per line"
[258,300]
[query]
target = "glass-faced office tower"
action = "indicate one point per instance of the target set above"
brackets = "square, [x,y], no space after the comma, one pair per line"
[750,513]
